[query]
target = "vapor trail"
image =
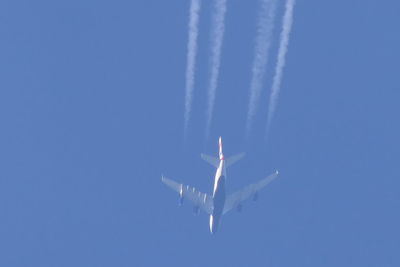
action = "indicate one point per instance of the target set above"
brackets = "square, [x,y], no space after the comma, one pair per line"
[283,47]
[191,59]
[217,34]
[265,27]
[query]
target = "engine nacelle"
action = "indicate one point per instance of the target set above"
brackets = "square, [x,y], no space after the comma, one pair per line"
[239,208]
[196,210]
[255,196]
[181,196]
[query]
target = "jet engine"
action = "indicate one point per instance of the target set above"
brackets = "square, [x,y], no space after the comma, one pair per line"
[181,196]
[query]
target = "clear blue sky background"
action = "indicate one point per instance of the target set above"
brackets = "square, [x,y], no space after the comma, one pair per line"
[91,114]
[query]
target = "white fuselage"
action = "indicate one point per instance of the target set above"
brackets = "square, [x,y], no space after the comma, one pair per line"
[218,195]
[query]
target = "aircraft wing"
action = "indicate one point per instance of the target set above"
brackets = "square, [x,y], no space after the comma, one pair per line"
[202,200]
[238,197]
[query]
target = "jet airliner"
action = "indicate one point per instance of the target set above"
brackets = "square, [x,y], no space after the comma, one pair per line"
[218,203]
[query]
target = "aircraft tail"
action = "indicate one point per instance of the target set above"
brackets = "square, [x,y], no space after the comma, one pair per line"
[215,161]
[229,161]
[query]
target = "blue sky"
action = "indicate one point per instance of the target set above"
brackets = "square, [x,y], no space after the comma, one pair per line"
[91,113]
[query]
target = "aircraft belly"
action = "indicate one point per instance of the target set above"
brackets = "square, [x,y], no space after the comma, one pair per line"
[219,202]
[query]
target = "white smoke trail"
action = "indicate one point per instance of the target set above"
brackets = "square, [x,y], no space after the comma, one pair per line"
[283,47]
[217,34]
[265,27]
[191,59]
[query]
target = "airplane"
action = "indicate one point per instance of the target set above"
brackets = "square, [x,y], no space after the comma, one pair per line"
[218,203]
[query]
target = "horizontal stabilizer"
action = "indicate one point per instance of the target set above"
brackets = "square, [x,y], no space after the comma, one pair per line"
[233,159]
[211,160]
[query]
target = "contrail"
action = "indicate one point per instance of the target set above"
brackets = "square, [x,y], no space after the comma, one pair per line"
[191,59]
[283,47]
[217,34]
[265,27]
